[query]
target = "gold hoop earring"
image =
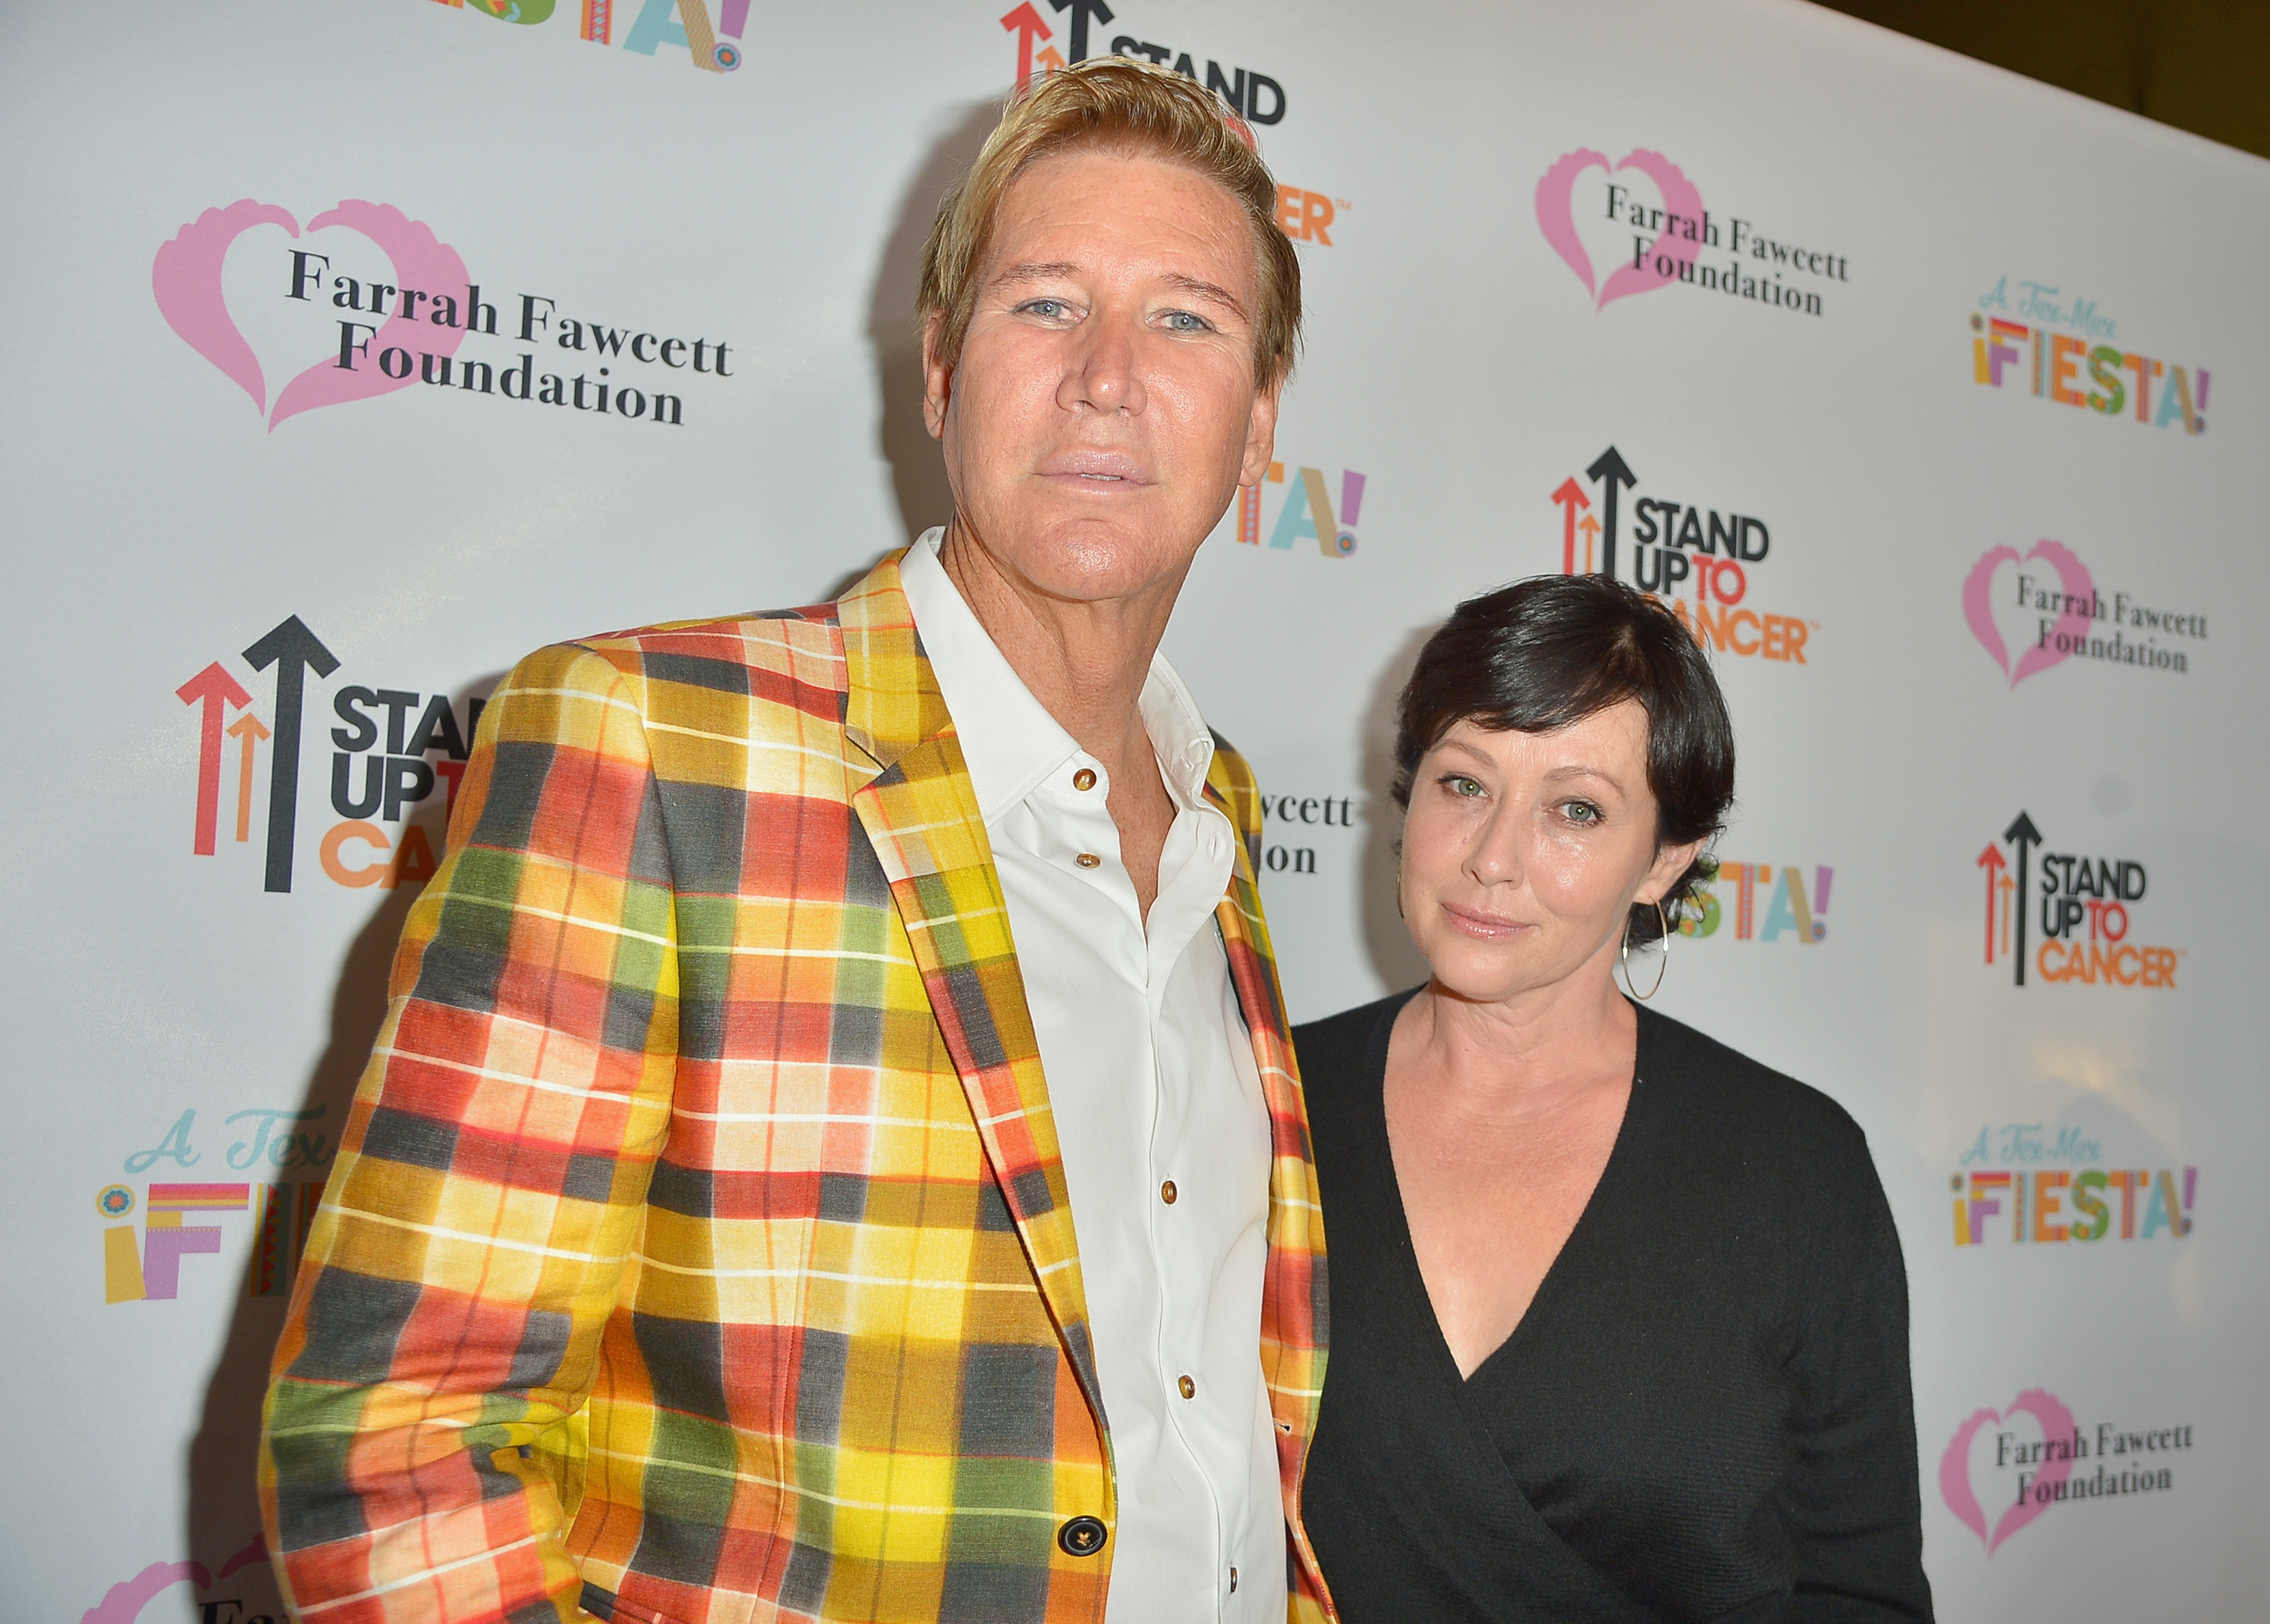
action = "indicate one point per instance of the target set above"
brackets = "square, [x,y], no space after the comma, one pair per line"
[1662,969]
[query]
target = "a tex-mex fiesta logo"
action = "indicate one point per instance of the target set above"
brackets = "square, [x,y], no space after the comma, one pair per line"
[266,1167]
[391,750]
[365,300]
[2080,912]
[1306,512]
[2040,608]
[2037,1185]
[2064,351]
[1704,561]
[1639,224]
[708,32]
[2003,1469]
[1255,96]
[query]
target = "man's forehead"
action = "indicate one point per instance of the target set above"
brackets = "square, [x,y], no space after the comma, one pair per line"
[1070,216]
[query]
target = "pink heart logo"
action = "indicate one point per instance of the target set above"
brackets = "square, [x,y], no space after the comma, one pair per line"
[2073,616]
[187,279]
[1556,217]
[1955,1467]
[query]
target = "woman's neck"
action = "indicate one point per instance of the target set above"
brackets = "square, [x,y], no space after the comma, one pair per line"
[1522,1057]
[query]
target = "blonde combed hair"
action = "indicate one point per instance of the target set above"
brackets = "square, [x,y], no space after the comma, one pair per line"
[1117,105]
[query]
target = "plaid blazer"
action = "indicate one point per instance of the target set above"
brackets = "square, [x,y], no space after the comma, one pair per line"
[698,1247]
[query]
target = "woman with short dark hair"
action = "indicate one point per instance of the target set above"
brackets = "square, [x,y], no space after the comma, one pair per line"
[1618,1319]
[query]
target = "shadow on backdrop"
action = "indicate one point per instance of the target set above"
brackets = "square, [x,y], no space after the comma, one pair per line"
[224,1508]
[917,470]
[1397,962]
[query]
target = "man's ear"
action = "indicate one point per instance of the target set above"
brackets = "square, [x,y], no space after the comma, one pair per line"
[1261,432]
[937,377]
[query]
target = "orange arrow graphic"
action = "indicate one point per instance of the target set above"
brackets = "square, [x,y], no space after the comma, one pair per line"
[1591,526]
[1048,61]
[248,729]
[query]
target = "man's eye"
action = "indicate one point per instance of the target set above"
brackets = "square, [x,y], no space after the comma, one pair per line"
[1183,321]
[1048,310]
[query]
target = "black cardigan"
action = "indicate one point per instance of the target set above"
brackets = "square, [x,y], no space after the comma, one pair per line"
[1705,1412]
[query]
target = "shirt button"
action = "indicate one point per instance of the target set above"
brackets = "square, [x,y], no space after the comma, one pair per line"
[1089,859]
[1187,1388]
[1167,1192]
[1082,1536]
[1084,779]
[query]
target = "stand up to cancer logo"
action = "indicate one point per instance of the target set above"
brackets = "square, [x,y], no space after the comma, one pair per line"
[2083,908]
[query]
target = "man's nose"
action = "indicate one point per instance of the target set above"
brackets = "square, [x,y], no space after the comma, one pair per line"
[1105,370]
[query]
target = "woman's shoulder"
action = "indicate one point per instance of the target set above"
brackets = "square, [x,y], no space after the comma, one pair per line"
[1332,1052]
[1749,1101]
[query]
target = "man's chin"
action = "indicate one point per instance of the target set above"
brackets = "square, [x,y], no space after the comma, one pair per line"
[1087,557]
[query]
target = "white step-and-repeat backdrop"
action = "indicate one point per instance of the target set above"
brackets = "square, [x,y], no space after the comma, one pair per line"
[359,349]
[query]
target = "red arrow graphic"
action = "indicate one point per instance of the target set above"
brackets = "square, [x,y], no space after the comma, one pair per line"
[1993,862]
[1570,496]
[215,689]
[1025,23]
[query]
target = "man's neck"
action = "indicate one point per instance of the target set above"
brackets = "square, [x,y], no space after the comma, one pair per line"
[1085,661]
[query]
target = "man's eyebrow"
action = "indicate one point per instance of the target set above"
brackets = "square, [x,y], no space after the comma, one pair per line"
[1034,271]
[1202,288]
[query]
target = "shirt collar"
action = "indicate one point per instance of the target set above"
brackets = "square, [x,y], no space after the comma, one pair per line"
[1009,741]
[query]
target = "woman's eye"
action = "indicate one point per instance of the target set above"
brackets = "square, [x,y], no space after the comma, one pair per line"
[1582,811]
[1459,784]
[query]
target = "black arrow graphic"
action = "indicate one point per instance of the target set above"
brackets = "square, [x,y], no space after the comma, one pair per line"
[2025,837]
[1609,472]
[1082,10]
[293,650]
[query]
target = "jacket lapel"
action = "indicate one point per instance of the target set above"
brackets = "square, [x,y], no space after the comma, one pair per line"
[1293,1303]
[920,813]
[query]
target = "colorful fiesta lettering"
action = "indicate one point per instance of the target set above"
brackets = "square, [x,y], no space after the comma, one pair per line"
[1307,514]
[1789,907]
[2036,1202]
[2158,393]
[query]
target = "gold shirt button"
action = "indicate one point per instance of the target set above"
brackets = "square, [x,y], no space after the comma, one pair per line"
[1189,1389]
[1084,779]
[1089,859]
[1167,1192]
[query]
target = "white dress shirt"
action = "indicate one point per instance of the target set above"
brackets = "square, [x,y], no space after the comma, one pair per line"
[1159,1113]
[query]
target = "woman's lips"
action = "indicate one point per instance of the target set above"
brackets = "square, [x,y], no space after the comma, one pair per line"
[1487,927]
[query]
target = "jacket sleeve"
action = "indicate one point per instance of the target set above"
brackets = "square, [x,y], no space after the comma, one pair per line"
[445,1322]
[1853,1501]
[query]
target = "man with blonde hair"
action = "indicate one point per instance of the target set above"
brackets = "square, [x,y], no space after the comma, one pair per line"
[833,1152]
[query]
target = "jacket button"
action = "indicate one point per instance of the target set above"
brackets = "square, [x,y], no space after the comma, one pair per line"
[1082,1536]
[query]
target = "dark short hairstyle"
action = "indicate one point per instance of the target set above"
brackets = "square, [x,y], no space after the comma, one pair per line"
[1545,653]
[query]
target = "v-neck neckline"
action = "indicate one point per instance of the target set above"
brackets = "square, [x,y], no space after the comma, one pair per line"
[1388,1193]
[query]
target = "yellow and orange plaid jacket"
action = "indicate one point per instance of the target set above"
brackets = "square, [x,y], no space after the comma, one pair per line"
[698,1248]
